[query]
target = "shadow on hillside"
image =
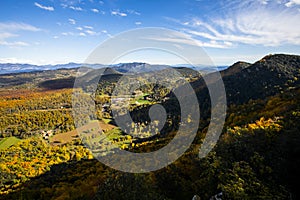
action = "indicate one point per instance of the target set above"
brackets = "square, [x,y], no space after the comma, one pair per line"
[61,177]
[58,83]
[86,180]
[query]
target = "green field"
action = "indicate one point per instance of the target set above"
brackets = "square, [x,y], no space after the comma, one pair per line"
[141,101]
[8,142]
[106,121]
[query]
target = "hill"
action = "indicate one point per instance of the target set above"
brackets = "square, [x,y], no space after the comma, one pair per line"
[270,75]
[243,81]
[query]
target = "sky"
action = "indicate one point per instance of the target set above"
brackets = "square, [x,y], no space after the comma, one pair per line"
[62,31]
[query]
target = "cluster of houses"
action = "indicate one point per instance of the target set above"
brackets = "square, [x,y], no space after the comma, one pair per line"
[120,101]
[46,134]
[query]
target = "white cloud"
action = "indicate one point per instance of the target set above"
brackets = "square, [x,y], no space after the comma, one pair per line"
[292,3]
[6,35]
[64,5]
[13,44]
[192,42]
[72,21]
[90,32]
[138,23]
[95,10]
[67,33]
[15,60]
[117,13]
[89,27]
[82,31]
[133,12]
[264,2]
[106,33]
[256,26]
[124,14]
[49,8]
[101,2]
[8,30]
[32,62]
[76,8]
[17,27]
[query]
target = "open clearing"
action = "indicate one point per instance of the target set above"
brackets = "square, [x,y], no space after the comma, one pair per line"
[64,138]
[8,142]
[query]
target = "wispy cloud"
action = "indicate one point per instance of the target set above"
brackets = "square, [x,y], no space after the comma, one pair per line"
[13,26]
[133,12]
[90,32]
[106,33]
[76,8]
[118,13]
[88,27]
[292,3]
[64,5]
[48,8]
[192,42]
[7,35]
[124,13]
[82,31]
[10,30]
[138,23]
[13,44]
[260,25]
[16,60]
[67,3]
[73,34]
[264,2]
[95,10]
[67,33]
[72,21]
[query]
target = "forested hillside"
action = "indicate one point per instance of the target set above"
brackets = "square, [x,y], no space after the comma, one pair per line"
[256,157]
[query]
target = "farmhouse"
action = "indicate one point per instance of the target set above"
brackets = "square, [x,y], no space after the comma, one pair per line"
[47,134]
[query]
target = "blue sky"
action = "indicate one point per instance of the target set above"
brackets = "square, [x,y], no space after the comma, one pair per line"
[62,31]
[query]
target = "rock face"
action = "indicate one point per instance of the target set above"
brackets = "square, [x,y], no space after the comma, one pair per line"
[196,197]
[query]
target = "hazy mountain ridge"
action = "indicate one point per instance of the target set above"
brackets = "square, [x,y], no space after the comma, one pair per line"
[135,67]
[7,68]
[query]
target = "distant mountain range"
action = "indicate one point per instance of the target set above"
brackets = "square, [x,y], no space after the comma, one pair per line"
[7,68]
